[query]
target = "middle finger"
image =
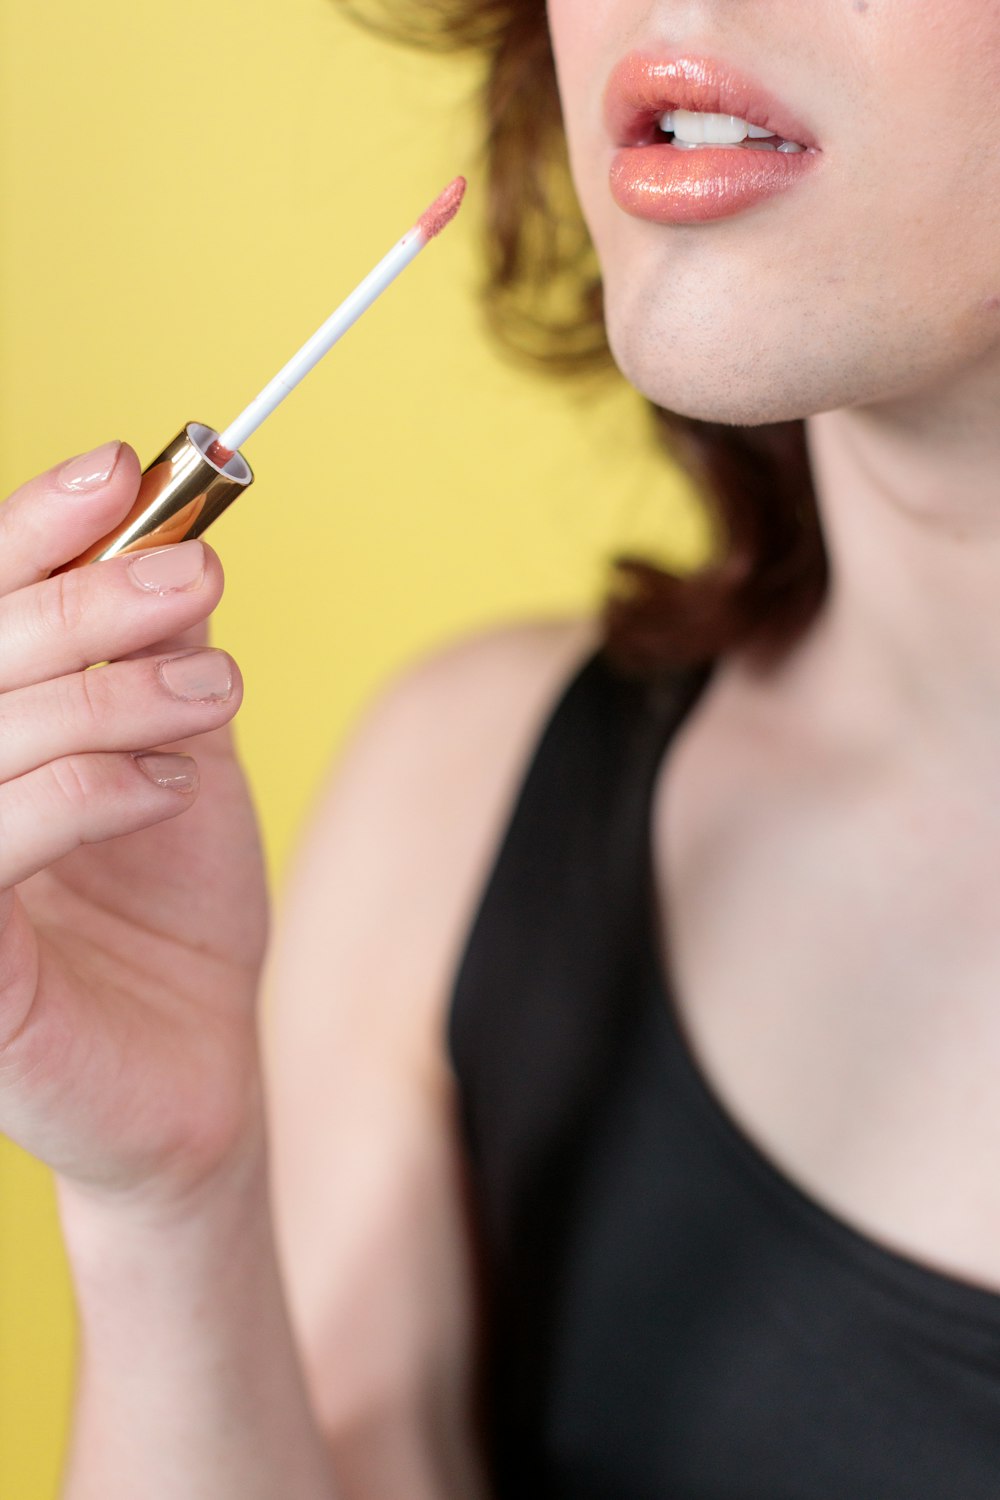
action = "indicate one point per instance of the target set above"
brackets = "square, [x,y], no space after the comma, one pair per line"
[104,611]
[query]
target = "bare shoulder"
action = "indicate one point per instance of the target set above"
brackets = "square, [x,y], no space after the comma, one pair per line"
[471,714]
[464,692]
[405,826]
[486,693]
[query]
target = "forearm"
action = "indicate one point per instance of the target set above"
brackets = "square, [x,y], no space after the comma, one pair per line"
[189,1385]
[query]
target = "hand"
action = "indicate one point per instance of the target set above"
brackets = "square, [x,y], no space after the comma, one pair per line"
[133,915]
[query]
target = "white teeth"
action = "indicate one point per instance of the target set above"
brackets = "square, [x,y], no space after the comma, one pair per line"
[692,128]
[697,129]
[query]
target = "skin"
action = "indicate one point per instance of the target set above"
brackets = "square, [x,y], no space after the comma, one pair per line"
[270,1248]
[864,764]
[849,292]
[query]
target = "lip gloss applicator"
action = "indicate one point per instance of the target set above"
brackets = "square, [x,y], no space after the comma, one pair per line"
[200,471]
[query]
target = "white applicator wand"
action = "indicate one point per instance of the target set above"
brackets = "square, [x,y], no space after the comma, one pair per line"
[440,213]
[201,471]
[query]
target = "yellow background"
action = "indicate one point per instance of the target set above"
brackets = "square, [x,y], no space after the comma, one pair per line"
[187,192]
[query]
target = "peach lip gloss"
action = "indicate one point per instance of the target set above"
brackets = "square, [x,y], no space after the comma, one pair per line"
[201,471]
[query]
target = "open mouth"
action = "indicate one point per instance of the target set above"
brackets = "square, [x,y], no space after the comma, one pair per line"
[691,102]
[697,140]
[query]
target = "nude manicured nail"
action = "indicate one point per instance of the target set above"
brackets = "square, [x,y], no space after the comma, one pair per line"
[87,470]
[164,570]
[179,772]
[202,676]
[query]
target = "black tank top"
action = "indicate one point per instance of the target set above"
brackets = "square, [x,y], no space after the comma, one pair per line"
[667,1316]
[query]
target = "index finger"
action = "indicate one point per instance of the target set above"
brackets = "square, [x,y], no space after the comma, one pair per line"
[57,515]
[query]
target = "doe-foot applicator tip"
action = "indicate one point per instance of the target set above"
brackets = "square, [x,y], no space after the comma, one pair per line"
[218,453]
[443,209]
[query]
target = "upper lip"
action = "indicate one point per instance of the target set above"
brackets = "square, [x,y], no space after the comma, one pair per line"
[643,86]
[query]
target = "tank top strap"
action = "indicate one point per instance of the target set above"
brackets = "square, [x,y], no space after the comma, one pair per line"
[552,962]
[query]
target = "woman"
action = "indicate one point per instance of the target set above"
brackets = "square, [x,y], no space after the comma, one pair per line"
[561,1207]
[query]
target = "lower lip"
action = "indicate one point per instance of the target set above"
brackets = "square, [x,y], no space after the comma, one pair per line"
[670,186]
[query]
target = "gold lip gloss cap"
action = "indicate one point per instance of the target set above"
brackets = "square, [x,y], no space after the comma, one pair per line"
[181,493]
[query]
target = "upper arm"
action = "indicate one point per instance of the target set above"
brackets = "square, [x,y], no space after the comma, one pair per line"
[366,1164]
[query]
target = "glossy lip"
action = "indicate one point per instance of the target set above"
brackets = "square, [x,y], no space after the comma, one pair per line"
[643,87]
[651,179]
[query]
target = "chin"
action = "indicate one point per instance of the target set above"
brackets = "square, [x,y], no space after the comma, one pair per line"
[716,377]
[744,355]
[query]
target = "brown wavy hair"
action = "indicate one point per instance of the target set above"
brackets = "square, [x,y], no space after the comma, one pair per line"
[768,571]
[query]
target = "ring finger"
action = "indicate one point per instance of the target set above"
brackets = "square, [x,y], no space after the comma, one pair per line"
[122,706]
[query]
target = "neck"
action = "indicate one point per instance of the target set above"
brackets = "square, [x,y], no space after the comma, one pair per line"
[908,641]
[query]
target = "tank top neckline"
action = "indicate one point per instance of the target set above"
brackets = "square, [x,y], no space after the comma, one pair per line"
[895,1271]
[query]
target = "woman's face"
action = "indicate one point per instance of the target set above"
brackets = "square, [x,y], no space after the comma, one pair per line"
[875,276]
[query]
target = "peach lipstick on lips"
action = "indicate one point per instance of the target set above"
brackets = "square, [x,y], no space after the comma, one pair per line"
[652,178]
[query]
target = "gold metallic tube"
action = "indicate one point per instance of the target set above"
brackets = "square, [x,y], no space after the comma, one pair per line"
[181,493]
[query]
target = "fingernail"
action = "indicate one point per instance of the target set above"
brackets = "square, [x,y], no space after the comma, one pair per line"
[87,470]
[181,566]
[201,676]
[179,772]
